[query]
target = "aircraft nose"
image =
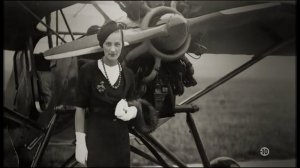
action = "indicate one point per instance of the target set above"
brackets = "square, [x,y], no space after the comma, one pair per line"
[177,31]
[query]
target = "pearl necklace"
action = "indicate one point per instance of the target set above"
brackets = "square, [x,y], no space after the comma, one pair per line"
[119,78]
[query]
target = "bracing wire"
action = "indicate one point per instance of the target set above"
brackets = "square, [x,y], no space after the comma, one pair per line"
[194,57]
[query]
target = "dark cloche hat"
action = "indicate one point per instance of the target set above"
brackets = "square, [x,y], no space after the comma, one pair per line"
[107,29]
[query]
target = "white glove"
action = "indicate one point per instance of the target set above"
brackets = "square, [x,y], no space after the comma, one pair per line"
[132,111]
[81,152]
[124,112]
[129,113]
[122,104]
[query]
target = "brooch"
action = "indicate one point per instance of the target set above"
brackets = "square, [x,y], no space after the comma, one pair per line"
[101,87]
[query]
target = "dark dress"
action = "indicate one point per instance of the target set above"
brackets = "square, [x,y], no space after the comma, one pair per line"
[106,136]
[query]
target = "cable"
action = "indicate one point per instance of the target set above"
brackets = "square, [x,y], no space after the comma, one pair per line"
[197,57]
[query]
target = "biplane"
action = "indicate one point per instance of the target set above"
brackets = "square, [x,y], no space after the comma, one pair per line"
[158,35]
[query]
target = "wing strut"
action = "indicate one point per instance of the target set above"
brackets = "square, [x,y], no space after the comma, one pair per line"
[42,146]
[238,70]
[66,22]
[56,25]
[163,150]
[150,147]
[143,154]
[106,18]
[40,107]
[19,118]
[36,17]
[49,33]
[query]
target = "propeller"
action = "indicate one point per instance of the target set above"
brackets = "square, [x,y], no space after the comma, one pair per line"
[164,32]
[90,44]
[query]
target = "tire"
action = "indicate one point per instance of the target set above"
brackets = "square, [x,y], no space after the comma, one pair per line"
[224,162]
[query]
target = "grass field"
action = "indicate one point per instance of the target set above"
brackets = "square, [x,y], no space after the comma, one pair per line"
[234,120]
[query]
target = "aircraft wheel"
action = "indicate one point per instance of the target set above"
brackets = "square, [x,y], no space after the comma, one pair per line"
[152,49]
[224,162]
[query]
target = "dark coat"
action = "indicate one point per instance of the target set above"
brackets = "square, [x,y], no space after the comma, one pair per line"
[107,136]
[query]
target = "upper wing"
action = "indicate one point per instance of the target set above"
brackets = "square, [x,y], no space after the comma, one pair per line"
[246,29]
[19,23]
[233,28]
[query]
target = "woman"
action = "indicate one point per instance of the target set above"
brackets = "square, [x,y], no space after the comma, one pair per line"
[105,87]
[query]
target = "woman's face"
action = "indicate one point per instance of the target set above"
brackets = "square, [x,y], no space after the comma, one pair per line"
[112,46]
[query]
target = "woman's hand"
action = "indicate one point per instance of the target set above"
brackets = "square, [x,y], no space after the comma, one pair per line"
[130,113]
[124,112]
[81,152]
[122,104]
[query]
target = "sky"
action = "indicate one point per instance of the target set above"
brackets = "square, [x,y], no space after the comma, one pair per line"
[81,17]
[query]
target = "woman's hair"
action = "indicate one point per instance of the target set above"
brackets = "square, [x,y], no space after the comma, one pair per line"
[107,29]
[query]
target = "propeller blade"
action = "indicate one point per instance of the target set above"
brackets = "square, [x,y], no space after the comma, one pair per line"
[85,45]
[194,23]
[133,36]
[90,44]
